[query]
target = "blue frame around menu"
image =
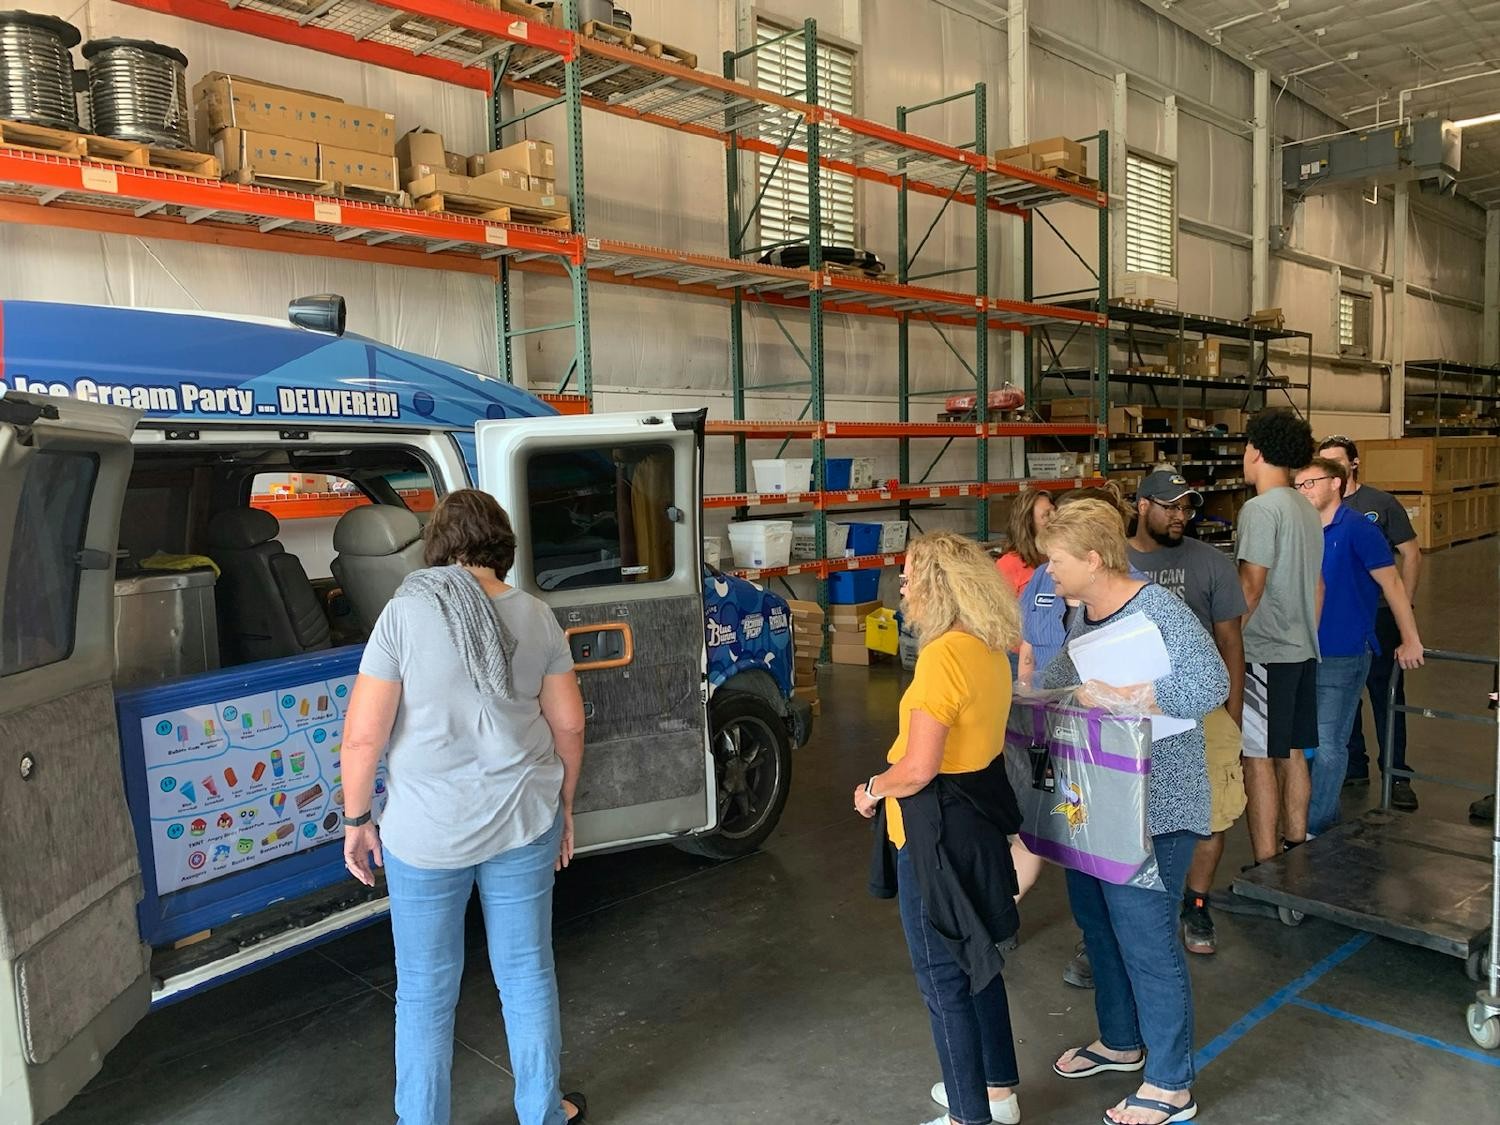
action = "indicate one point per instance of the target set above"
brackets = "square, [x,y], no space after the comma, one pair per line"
[169,914]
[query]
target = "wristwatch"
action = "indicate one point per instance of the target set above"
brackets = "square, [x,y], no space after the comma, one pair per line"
[356,821]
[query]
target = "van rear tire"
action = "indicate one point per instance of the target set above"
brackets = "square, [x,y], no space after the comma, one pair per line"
[753,774]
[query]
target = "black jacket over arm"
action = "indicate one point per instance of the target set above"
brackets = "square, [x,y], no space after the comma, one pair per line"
[957,837]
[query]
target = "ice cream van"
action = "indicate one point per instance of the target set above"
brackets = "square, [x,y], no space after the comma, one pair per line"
[200,519]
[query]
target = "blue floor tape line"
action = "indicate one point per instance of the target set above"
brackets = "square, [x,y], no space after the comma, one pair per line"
[1400,1033]
[1242,1026]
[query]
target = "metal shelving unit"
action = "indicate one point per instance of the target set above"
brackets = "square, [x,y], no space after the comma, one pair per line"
[1480,392]
[1138,332]
[485,49]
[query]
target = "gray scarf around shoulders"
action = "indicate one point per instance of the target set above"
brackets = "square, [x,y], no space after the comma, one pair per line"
[485,643]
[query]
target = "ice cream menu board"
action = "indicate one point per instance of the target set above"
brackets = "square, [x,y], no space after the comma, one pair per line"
[239,782]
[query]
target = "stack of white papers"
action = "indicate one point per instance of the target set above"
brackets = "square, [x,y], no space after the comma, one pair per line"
[1125,652]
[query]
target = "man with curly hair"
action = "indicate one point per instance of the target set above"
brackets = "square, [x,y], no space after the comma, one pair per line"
[1280,552]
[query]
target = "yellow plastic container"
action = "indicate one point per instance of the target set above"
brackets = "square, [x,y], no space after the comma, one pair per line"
[881,632]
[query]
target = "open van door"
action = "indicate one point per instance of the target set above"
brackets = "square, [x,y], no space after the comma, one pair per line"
[605,510]
[74,967]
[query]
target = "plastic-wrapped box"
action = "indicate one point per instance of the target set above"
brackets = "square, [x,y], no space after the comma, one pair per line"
[1082,780]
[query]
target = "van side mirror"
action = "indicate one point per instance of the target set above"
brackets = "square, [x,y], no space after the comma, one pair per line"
[322,313]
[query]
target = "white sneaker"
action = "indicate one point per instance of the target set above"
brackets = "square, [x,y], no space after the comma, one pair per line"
[1004,1112]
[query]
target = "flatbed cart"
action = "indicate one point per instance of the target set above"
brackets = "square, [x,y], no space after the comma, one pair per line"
[1426,883]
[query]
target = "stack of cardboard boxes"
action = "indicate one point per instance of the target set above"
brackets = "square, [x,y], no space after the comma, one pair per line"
[1057,153]
[847,630]
[1450,486]
[264,133]
[521,176]
[807,646]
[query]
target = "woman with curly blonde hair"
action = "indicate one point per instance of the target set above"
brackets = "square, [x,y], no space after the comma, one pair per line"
[947,809]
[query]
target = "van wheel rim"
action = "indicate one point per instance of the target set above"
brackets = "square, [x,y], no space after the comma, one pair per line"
[748,770]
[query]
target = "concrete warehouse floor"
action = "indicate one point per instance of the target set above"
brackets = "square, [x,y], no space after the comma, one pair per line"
[774,989]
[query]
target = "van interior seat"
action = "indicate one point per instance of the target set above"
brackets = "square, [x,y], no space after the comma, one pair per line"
[267,607]
[378,545]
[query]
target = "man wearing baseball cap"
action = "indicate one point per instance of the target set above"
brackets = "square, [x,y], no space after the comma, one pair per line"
[1206,579]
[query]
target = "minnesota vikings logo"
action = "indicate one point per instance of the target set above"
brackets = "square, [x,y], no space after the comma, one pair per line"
[1073,808]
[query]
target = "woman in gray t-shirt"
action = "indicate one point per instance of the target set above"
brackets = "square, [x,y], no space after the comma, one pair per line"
[467,686]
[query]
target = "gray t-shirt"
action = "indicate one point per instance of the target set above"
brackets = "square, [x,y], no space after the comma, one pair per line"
[1385,512]
[469,776]
[1200,575]
[1280,531]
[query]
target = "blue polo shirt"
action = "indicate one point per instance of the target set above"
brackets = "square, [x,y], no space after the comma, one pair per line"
[1352,548]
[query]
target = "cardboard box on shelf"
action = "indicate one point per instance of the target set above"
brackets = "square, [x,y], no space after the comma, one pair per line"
[434,180]
[485,188]
[507,178]
[261,154]
[425,147]
[1069,409]
[1019,156]
[1120,455]
[227,101]
[1233,421]
[1125,419]
[547,186]
[534,158]
[1199,358]
[456,162]
[354,168]
[1060,152]
[1144,453]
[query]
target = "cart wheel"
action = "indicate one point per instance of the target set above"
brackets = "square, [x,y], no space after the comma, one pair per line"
[1289,917]
[1475,966]
[1484,1030]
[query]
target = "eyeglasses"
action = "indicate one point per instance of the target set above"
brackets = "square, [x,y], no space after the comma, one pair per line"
[1186,508]
[1306,485]
[905,581]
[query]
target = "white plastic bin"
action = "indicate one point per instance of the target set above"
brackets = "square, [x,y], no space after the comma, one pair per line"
[892,536]
[804,540]
[783,474]
[1052,466]
[761,544]
[862,473]
[713,550]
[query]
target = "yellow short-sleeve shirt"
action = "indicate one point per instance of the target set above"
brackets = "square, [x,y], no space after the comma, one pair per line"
[964,685]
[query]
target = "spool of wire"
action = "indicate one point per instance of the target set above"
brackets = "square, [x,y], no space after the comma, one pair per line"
[138,90]
[36,70]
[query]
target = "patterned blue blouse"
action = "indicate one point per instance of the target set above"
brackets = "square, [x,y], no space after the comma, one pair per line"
[1197,683]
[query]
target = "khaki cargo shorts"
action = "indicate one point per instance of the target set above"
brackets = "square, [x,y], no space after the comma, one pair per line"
[1226,777]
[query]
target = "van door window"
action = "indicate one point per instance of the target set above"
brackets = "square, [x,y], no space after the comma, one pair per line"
[600,517]
[308,507]
[41,585]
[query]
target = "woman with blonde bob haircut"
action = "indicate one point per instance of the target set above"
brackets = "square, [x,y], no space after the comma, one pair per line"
[1142,997]
[945,809]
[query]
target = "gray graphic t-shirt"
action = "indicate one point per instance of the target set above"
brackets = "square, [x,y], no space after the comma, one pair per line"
[1203,577]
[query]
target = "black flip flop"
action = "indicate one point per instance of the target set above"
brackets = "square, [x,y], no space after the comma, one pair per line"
[1175,1113]
[1101,1065]
[581,1117]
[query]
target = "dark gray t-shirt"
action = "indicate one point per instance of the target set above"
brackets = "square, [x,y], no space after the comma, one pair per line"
[469,776]
[1280,531]
[1201,576]
[1385,512]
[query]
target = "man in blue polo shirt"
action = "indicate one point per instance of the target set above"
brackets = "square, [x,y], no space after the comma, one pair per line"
[1357,568]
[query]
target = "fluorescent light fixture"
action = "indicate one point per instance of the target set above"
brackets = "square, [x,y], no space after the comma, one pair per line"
[1487,119]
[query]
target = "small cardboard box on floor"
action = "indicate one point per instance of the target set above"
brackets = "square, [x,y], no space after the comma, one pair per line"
[847,632]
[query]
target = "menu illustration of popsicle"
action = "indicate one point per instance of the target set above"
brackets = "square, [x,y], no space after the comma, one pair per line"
[213,770]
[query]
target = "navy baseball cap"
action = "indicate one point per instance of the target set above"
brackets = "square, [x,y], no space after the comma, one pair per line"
[1168,487]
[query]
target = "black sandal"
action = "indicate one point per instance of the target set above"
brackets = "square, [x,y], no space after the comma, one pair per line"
[582,1103]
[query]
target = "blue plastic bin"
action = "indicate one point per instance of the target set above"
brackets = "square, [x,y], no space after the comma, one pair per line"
[864,539]
[850,587]
[837,472]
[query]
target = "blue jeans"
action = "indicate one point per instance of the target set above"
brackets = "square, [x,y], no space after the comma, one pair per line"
[1341,680]
[1142,995]
[427,922]
[971,1032]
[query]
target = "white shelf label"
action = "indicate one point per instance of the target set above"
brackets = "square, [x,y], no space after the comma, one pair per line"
[99,179]
[497,236]
[330,213]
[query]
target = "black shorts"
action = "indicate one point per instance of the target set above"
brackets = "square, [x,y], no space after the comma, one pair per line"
[1281,709]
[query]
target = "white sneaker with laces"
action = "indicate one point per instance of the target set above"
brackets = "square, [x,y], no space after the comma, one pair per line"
[1006,1111]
